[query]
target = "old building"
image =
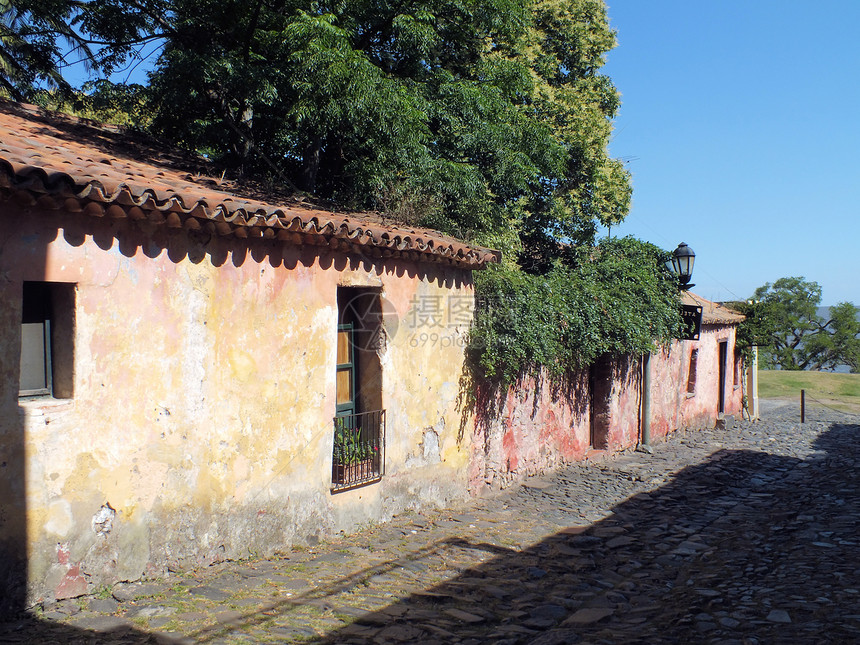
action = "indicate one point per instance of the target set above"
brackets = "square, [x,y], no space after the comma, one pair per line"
[192,372]
[537,425]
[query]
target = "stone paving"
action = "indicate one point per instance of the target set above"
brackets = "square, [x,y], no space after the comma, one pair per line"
[742,535]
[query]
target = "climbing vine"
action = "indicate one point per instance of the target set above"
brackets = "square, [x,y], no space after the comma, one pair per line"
[613,298]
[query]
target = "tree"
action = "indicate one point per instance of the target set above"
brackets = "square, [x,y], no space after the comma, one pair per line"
[485,119]
[39,39]
[839,345]
[792,333]
[30,51]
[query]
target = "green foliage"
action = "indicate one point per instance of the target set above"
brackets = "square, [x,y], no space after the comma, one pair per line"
[838,344]
[615,298]
[101,101]
[40,38]
[349,448]
[103,592]
[755,330]
[120,104]
[486,119]
[30,50]
[783,320]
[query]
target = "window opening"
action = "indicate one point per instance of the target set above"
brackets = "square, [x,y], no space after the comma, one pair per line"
[358,453]
[47,339]
[723,366]
[600,379]
[738,364]
[691,375]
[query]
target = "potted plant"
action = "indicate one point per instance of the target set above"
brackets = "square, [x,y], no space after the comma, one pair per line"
[352,457]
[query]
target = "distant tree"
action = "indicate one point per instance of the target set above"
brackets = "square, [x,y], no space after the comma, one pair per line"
[839,345]
[122,104]
[793,336]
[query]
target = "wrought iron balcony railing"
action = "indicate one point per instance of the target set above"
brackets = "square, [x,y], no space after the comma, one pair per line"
[358,456]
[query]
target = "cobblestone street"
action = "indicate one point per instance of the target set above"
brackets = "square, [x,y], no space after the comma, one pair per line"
[746,535]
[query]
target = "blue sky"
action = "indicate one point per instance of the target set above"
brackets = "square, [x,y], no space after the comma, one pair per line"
[741,124]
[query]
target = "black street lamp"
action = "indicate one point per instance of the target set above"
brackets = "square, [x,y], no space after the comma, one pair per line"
[682,265]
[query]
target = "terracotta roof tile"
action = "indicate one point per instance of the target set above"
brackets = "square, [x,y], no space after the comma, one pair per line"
[713,313]
[62,162]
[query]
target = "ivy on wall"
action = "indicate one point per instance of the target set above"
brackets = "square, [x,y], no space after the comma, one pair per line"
[613,298]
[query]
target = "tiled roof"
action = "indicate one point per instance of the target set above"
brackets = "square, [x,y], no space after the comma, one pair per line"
[713,313]
[58,162]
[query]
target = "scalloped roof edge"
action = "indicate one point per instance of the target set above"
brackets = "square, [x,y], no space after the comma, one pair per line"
[59,162]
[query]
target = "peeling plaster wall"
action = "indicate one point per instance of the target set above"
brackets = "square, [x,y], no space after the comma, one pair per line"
[672,406]
[669,387]
[200,427]
[625,403]
[536,426]
[532,427]
[699,410]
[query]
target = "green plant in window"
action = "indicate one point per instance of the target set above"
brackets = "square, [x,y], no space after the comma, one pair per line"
[349,447]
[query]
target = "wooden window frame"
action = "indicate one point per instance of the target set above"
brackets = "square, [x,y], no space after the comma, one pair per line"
[349,408]
[44,361]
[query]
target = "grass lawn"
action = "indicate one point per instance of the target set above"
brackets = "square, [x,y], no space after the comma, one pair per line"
[841,391]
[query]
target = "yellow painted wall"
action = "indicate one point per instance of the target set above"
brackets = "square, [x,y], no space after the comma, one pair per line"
[204,385]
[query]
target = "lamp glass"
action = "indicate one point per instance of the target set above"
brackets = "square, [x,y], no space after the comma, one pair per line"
[685,265]
[683,259]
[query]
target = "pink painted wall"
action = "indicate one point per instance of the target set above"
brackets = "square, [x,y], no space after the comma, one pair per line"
[672,405]
[532,427]
[536,425]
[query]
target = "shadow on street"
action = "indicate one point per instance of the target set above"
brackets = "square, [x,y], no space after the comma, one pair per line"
[743,544]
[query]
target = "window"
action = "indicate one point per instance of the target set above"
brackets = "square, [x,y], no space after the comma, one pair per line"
[359,425]
[691,374]
[47,337]
[346,369]
[721,385]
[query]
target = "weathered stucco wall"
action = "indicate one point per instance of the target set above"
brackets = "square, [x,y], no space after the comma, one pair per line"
[532,427]
[536,425]
[673,406]
[200,426]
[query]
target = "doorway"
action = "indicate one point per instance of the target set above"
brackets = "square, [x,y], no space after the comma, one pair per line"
[600,394]
[724,354]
